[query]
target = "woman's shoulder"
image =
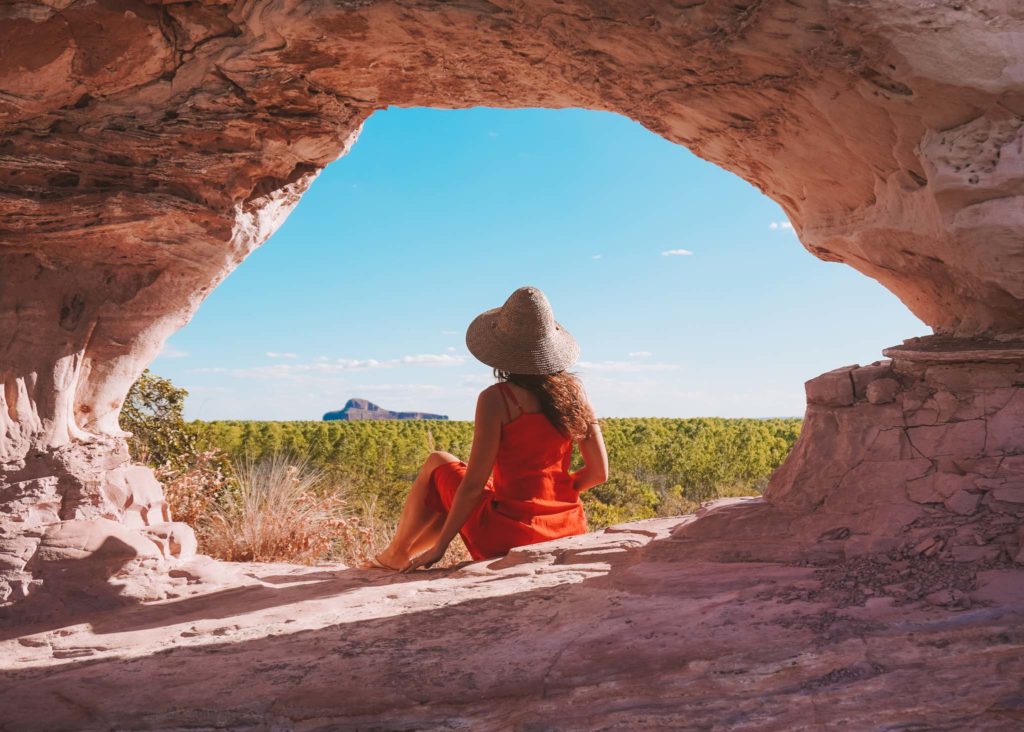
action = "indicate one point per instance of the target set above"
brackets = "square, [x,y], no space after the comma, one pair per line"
[490,392]
[490,398]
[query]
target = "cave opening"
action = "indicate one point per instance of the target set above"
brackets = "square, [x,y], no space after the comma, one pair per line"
[676,275]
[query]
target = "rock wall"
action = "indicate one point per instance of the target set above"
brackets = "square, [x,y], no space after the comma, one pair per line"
[146,148]
[925,449]
[61,505]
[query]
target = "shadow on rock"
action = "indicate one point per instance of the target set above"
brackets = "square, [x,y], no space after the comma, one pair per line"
[75,590]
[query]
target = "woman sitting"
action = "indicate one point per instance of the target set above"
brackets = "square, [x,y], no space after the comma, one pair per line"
[516,488]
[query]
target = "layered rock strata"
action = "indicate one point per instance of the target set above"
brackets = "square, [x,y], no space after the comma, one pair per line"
[146,148]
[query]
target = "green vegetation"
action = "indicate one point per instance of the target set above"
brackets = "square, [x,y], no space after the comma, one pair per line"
[337,488]
[657,466]
[154,412]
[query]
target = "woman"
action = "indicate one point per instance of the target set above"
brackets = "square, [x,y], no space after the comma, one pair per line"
[525,429]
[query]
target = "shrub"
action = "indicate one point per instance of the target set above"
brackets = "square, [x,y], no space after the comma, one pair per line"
[623,498]
[192,490]
[153,412]
[676,503]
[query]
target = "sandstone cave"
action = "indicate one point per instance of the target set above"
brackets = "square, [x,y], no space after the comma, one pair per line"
[148,147]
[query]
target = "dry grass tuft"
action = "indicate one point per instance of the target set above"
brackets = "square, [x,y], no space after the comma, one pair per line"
[279,512]
[278,509]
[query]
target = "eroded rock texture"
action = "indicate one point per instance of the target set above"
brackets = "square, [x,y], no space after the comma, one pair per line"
[925,450]
[146,148]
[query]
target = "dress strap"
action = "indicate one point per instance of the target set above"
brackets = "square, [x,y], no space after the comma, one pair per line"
[508,395]
[504,398]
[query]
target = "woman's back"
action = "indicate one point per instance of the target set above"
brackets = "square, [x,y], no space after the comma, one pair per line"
[534,457]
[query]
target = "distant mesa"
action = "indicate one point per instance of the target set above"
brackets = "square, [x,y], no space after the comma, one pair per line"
[356,409]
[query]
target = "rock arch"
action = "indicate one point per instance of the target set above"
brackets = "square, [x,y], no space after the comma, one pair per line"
[148,147]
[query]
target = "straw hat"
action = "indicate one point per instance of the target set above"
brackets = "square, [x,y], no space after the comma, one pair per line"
[522,337]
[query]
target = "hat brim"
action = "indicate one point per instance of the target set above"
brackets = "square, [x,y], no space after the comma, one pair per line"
[555,352]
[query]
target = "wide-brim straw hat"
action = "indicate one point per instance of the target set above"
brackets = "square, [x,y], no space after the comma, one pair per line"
[522,337]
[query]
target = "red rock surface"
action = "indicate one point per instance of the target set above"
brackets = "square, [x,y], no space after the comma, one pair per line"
[639,627]
[146,148]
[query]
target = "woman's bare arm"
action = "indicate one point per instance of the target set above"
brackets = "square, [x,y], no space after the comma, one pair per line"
[595,460]
[486,436]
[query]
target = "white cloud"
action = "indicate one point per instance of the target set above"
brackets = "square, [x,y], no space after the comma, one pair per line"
[411,389]
[280,354]
[430,359]
[777,225]
[449,332]
[677,253]
[624,366]
[492,133]
[341,365]
[640,354]
[595,256]
[208,370]
[169,351]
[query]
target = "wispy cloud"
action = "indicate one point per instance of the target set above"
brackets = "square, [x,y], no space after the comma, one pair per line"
[640,354]
[676,253]
[433,359]
[209,370]
[625,366]
[595,256]
[449,332]
[780,225]
[411,389]
[169,351]
[280,354]
[341,365]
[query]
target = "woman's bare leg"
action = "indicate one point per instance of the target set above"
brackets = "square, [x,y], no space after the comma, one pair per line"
[419,524]
[428,536]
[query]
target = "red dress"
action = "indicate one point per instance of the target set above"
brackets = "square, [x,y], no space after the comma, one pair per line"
[529,497]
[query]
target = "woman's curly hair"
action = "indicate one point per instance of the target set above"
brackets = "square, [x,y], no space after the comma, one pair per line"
[562,400]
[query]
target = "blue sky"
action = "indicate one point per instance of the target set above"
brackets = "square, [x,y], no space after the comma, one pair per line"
[687,289]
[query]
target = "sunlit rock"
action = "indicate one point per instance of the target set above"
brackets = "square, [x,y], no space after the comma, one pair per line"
[146,149]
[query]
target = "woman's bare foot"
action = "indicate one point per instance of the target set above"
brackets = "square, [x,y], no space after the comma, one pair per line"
[377,562]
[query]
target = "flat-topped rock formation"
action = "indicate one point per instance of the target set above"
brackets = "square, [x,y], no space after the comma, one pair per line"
[361,409]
